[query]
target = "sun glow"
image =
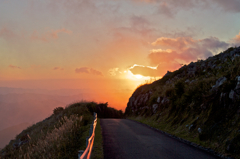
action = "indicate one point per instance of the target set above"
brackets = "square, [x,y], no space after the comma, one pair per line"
[138,76]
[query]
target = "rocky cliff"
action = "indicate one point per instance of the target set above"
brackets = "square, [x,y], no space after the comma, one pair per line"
[199,102]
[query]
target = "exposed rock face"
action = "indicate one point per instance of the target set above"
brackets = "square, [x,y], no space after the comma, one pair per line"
[155,106]
[199,130]
[237,88]
[165,100]
[232,94]
[138,102]
[140,99]
[192,69]
[219,82]
[201,99]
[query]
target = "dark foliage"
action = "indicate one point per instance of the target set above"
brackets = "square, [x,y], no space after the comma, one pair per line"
[57,110]
[103,111]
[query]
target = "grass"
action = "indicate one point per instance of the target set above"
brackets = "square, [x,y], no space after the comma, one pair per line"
[59,142]
[59,136]
[180,130]
[194,101]
[98,143]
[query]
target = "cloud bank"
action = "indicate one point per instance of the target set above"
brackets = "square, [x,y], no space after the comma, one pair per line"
[58,68]
[237,38]
[13,67]
[174,52]
[88,71]
[171,7]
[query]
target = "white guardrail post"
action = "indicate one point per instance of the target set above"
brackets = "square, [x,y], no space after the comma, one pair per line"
[89,141]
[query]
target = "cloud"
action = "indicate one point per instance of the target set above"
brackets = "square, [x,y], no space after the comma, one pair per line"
[74,5]
[237,37]
[113,71]
[230,5]
[163,56]
[236,40]
[95,72]
[13,67]
[171,7]
[139,25]
[88,71]
[173,52]
[58,68]
[177,43]
[82,70]
[49,35]
[185,49]
[159,71]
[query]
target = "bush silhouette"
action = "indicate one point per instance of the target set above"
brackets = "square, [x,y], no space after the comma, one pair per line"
[58,110]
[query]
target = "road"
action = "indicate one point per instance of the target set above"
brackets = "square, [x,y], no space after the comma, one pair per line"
[126,139]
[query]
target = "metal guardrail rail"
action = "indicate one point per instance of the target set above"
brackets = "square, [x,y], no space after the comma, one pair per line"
[89,141]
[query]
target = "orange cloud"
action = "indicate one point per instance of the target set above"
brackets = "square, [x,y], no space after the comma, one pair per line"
[163,56]
[160,70]
[185,48]
[88,71]
[13,67]
[177,51]
[58,68]
[49,35]
[237,38]
[177,43]
[113,71]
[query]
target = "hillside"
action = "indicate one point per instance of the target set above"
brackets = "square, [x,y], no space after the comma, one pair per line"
[199,102]
[59,136]
[9,133]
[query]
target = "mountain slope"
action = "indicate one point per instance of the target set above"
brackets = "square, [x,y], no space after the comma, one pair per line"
[10,133]
[59,136]
[198,102]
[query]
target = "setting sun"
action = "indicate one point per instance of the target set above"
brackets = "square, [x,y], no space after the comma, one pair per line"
[138,76]
[109,56]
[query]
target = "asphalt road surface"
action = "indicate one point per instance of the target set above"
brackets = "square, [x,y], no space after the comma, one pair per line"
[126,139]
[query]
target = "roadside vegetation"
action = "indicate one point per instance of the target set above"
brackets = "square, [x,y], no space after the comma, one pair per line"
[199,103]
[97,152]
[61,135]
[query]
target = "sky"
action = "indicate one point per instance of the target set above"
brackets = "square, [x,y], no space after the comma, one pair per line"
[109,46]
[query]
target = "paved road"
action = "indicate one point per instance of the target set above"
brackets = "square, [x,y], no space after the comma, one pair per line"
[126,139]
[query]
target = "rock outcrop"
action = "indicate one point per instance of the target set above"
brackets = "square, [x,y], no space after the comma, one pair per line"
[191,74]
[209,89]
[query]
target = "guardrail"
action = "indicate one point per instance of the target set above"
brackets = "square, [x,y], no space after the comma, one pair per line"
[89,141]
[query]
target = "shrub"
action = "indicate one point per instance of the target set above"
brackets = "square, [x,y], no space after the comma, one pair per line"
[179,88]
[57,110]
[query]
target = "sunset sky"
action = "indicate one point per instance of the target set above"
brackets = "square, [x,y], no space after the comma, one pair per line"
[109,46]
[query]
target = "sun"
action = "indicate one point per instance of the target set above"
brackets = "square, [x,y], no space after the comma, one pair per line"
[138,76]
